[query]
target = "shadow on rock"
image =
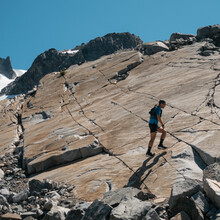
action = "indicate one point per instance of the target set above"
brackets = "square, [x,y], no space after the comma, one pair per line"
[136,179]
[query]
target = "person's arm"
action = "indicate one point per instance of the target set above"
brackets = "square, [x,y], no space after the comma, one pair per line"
[159,119]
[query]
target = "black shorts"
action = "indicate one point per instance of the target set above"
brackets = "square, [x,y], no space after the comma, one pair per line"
[153,128]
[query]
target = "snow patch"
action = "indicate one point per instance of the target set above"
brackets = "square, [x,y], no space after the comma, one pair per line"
[69,51]
[4,81]
[19,72]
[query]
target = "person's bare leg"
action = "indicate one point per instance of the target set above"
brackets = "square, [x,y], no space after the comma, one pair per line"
[151,142]
[163,136]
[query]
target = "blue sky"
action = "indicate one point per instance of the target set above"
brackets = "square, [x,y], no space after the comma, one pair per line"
[29,27]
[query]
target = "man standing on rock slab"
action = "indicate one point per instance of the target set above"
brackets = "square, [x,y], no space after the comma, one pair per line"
[155,117]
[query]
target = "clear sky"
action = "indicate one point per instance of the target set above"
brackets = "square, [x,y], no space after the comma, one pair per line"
[29,27]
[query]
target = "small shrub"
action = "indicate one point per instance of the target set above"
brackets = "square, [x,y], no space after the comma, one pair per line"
[62,72]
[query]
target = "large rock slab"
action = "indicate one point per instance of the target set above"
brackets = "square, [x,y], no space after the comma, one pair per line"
[212,189]
[11,216]
[87,171]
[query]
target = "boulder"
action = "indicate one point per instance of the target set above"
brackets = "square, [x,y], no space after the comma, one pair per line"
[56,213]
[82,206]
[216,216]
[20,196]
[152,215]
[201,202]
[181,216]
[187,205]
[5,192]
[186,37]
[212,172]
[53,195]
[211,212]
[97,210]
[30,215]
[37,185]
[208,49]
[212,189]
[113,198]
[208,31]
[187,187]
[154,47]
[131,208]
[29,218]
[78,211]
[6,68]
[48,205]
[76,214]
[3,200]
[1,174]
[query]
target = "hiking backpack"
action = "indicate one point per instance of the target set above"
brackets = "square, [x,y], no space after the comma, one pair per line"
[153,113]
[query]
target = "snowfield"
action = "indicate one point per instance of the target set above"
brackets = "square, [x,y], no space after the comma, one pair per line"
[4,81]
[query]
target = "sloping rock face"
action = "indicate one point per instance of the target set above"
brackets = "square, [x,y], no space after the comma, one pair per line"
[6,68]
[89,126]
[53,60]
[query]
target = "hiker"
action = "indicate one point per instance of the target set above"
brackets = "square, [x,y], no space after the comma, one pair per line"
[156,114]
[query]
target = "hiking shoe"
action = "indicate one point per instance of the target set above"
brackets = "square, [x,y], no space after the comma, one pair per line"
[150,154]
[162,147]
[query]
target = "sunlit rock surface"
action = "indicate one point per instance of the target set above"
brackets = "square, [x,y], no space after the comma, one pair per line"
[89,126]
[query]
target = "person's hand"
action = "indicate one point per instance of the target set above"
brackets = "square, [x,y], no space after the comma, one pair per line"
[163,126]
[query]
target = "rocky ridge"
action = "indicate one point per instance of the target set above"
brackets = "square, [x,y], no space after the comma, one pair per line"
[53,60]
[89,132]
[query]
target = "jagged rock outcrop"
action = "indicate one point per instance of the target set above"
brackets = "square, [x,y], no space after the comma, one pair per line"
[211,31]
[53,60]
[109,44]
[177,40]
[6,68]
[178,36]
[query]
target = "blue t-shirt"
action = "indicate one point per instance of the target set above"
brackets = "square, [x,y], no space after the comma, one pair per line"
[153,118]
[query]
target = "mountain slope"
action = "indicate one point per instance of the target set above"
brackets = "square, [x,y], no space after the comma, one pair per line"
[88,126]
[92,106]
[53,60]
